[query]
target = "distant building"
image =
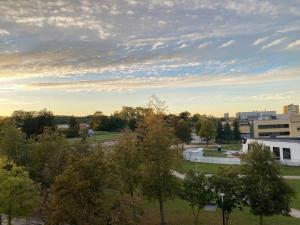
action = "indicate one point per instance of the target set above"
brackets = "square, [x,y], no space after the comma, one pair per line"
[256,115]
[84,126]
[276,128]
[285,150]
[62,126]
[291,109]
[226,116]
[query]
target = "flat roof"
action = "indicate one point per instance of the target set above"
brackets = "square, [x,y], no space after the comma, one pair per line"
[288,139]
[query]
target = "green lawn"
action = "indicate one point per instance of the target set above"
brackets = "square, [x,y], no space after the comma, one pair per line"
[99,136]
[184,166]
[178,212]
[295,184]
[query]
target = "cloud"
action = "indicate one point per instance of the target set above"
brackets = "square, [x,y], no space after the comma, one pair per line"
[260,40]
[4,32]
[204,45]
[274,43]
[294,44]
[157,45]
[183,45]
[134,83]
[227,44]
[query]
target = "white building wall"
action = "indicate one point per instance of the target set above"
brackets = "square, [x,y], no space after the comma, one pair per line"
[293,146]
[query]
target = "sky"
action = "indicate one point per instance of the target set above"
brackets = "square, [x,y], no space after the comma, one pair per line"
[76,57]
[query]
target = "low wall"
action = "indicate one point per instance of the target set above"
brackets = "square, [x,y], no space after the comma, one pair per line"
[217,160]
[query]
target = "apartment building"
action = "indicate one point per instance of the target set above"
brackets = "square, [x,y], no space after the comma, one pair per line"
[291,109]
[276,128]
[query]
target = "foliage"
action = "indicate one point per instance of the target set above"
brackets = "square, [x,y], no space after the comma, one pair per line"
[236,130]
[207,130]
[73,130]
[18,193]
[156,138]
[228,134]
[128,162]
[197,192]
[183,131]
[87,193]
[228,182]
[33,123]
[13,144]
[266,192]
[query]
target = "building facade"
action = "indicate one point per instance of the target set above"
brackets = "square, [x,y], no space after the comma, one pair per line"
[285,150]
[291,109]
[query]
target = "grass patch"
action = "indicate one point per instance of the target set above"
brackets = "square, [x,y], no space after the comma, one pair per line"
[99,136]
[178,212]
[295,184]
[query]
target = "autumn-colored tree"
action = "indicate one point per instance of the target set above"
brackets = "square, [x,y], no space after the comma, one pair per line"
[128,161]
[155,142]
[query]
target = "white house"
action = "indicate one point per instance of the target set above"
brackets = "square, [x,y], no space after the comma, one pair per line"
[192,153]
[286,150]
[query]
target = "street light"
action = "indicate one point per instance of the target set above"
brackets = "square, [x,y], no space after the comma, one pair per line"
[222,196]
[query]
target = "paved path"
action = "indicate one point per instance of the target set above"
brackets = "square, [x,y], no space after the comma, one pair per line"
[294,212]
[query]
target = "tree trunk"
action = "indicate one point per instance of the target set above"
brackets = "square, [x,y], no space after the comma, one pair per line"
[260,219]
[161,210]
[0,219]
[9,219]
[223,217]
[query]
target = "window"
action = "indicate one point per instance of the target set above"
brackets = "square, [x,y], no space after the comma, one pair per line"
[276,152]
[298,128]
[286,153]
[270,126]
[273,134]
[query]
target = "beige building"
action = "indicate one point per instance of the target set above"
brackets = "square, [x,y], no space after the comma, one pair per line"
[291,109]
[276,128]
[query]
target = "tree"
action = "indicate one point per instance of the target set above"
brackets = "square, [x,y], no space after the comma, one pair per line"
[128,162]
[49,155]
[13,144]
[207,130]
[183,131]
[73,130]
[86,193]
[197,192]
[228,182]
[18,193]
[155,142]
[236,130]
[266,192]
[219,132]
[228,134]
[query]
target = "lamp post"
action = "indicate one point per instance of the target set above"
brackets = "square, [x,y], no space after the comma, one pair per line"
[223,215]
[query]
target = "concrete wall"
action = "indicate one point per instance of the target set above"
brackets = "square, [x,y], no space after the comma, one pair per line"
[293,146]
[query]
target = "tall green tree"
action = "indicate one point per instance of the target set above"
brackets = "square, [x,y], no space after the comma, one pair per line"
[207,130]
[228,182]
[49,155]
[13,144]
[228,134]
[87,193]
[197,191]
[266,192]
[183,132]
[19,196]
[156,139]
[236,130]
[219,132]
[128,162]
[73,130]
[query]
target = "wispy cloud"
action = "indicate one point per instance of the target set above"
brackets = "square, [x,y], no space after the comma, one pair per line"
[260,40]
[294,44]
[227,44]
[274,43]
